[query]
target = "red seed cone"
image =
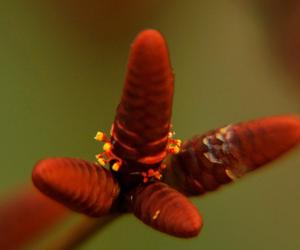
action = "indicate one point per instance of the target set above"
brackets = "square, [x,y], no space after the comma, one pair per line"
[266,139]
[142,122]
[78,184]
[165,209]
[222,155]
[25,215]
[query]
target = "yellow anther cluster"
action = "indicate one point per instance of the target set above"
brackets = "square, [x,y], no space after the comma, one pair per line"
[101,160]
[171,134]
[174,145]
[173,149]
[107,155]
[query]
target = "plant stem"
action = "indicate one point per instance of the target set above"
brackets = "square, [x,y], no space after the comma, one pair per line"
[81,232]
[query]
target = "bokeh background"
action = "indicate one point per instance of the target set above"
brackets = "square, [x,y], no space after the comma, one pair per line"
[62,65]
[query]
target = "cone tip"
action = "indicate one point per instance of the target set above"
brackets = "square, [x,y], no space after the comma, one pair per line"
[150,38]
[193,228]
[149,34]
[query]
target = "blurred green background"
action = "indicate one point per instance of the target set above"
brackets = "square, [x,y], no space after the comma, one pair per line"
[62,66]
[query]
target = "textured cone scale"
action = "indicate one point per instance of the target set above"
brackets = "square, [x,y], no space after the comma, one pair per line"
[78,184]
[165,209]
[222,155]
[267,139]
[142,122]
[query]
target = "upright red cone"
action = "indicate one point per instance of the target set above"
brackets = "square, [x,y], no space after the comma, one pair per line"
[142,122]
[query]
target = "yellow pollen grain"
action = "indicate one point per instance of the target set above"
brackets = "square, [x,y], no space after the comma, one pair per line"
[155,216]
[170,134]
[107,146]
[101,161]
[99,136]
[116,166]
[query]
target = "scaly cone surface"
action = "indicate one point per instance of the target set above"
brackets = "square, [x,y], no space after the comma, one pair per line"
[165,209]
[142,122]
[78,184]
[222,155]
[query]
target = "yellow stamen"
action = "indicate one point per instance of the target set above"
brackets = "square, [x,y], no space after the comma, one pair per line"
[107,147]
[174,149]
[171,134]
[99,136]
[101,161]
[116,166]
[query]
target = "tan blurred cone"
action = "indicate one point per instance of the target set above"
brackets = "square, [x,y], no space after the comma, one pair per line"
[24,215]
